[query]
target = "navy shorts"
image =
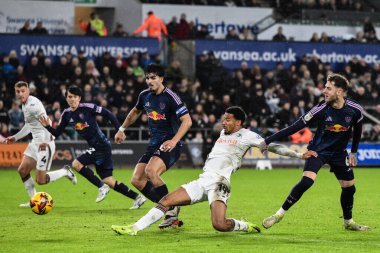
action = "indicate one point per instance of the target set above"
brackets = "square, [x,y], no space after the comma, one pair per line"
[102,159]
[338,165]
[169,158]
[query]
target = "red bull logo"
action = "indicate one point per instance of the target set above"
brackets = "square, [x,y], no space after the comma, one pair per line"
[80,126]
[156,116]
[337,128]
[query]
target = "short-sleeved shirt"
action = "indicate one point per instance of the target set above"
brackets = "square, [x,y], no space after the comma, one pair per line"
[164,112]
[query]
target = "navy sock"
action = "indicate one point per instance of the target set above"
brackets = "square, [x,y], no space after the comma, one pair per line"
[90,176]
[123,189]
[297,192]
[347,201]
[161,191]
[150,193]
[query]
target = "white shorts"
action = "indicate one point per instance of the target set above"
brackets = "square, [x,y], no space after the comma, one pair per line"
[209,187]
[42,153]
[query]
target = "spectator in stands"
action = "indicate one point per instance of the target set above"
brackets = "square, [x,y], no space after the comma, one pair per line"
[172,26]
[246,34]
[13,60]
[26,29]
[154,25]
[4,117]
[203,33]
[34,71]
[40,29]
[95,26]
[325,38]
[183,29]
[119,31]
[279,36]
[343,5]
[314,37]
[232,35]
[16,117]
[302,136]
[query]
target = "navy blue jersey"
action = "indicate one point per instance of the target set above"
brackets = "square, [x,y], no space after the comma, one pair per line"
[334,127]
[83,120]
[164,112]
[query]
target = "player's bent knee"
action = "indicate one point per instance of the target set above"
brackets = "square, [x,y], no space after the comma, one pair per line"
[41,180]
[138,182]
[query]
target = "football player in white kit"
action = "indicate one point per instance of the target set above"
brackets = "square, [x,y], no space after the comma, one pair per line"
[41,149]
[214,183]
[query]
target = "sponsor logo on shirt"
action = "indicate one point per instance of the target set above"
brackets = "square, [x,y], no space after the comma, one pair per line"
[156,116]
[80,126]
[336,128]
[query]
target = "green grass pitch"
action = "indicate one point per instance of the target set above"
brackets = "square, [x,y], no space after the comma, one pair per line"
[78,224]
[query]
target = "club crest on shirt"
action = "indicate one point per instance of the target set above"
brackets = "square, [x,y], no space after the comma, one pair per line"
[147,104]
[81,116]
[162,106]
[348,119]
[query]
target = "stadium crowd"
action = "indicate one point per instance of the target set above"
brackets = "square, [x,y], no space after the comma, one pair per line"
[274,98]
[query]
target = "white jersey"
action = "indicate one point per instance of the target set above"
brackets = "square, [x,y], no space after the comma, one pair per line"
[33,109]
[226,155]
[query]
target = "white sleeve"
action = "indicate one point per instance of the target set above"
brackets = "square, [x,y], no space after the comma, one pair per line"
[253,138]
[22,133]
[39,110]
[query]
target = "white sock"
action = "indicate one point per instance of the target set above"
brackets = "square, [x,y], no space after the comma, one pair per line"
[348,221]
[240,225]
[57,174]
[281,212]
[29,186]
[148,219]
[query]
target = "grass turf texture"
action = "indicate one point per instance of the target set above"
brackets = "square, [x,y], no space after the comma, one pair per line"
[78,224]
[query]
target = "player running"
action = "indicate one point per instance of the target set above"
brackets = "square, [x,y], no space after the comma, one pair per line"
[214,183]
[336,118]
[82,117]
[168,122]
[40,151]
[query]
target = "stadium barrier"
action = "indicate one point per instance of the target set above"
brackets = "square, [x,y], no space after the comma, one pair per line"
[127,155]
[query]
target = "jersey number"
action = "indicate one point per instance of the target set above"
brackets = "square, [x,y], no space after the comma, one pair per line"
[90,150]
[43,159]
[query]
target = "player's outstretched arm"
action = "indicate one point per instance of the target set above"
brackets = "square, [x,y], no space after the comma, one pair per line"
[45,122]
[186,123]
[285,151]
[132,116]
[25,130]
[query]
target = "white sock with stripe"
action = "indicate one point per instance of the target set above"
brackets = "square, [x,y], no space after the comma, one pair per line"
[57,174]
[29,186]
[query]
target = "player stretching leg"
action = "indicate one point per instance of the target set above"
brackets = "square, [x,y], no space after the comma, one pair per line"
[40,151]
[214,183]
[82,117]
[336,117]
[168,121]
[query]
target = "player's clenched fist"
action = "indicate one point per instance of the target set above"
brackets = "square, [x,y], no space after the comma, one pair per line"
[119,137]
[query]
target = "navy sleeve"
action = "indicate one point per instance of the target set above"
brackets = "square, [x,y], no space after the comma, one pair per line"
[357,135]
[139,105]
[295,127]
[60,128]
[109,115]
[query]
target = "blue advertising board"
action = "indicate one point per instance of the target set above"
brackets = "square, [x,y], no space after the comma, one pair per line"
[55,46]
[268,53]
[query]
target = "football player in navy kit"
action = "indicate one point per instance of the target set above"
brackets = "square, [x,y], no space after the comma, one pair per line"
[82,117]
[168,121]
[337,118]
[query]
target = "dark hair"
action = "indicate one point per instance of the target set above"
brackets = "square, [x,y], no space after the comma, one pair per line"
[155,69]
[73,89]
[150,12]
[339,81]
[20,84]
[238,113]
